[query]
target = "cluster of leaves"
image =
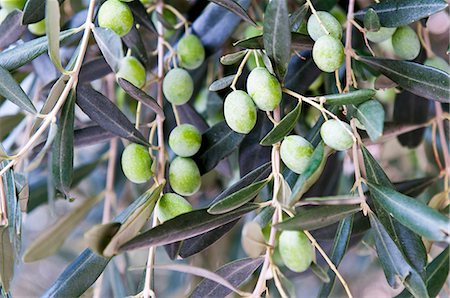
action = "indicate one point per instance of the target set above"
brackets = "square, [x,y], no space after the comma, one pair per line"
[401,227]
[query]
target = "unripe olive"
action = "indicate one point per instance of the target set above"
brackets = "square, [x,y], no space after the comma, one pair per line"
[132,70]
[405,42]
[264,89]
[330,23]
[336,134]
[296,152]
[137,163]
[296,250]
[117,16]
[178,86]
[190,51]
[171,205]
[184,176]
[12,4]
[381,35]
[239,111]
[328,53]
[37,28]
[185,140]
[439,63]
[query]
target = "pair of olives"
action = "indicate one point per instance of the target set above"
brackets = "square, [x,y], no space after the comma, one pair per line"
[9,5]
[240,108]
[328,51]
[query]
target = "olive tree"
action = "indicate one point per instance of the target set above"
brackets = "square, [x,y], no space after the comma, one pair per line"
[242,146]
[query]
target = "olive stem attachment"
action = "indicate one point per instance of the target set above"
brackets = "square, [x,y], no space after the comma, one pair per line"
[179,16]
[314,12]
[240,69]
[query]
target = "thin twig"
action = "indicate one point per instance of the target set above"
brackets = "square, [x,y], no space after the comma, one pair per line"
[348,46]
[239,71]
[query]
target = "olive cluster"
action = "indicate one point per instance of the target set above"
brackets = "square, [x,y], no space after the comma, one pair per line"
[404,40]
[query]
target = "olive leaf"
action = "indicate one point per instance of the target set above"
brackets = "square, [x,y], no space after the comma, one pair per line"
[12,91]
[53,30]
[283,128]
[111,46]
[353,97]
[11,28]
[371,115]
[7,256]
[232,58]
[221,83]
[371,20]
[34,11]
[236,9]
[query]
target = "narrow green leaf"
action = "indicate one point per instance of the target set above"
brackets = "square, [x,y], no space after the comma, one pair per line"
[234,7]
[52,28]
[317,217]
[6,259]
[412,213]
[395,13]
[232,58]
[99,236]
[283,128]
[277,36]
[320,273]
[352,97]
[222,83]
[12,91]
[239,198]
[51,240]
[34,11]
[371,20]
[297,17]
[111,46]
[299,41]
[395,267]
[371,115]
[26,52]
[185,226]
[62,157]
[419,79]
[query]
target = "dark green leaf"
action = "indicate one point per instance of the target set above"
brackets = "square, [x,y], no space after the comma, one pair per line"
[101,110]
[217,143]
[371,20]
[297,17]
[394,265]
[352,97]
[62,157]
[395,13]
[7,259]
[317,217]
[412,213]
[34,11]
[371,115]
[285,126]
[277,36]
[23,53]
[11,28]
[232,58]
[142,96]
[111,46]
[419,79]
[141,16]
[12,91]
[52,28]
[185,226]
[222,83]
[99,236]
[236,272]
[239,198]
[134,42]
[236,9]
[299,41]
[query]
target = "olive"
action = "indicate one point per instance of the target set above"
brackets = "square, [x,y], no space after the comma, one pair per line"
[171,205]
[240,112]
[296,152]
[406,43]
[185,140]
[117,16]
[190,51]
[296,250]
[178,86]
[330,23]
[132,70]
[264,89]
[184,176]
[337,134]
[137,163]
[328,53]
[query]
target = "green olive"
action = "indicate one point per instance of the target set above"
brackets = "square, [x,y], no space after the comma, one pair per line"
[406,43]
[184,176]
[178,86]
[185,140]
[296,250]
[264,89]
[330,23]
[296,152]
[117,16]
[337,134]
[439,63]
[171,205]
[137,163]
[240,112]
[37,28]
[12,4]
[190,51]
[132,70]
[381,35]
[328,53]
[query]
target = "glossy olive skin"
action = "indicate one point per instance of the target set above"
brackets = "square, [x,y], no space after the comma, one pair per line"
[171,205]
[12,4]
[38,28]
[406,43]
[264,89]
[185,140]
[132,70]
[336,134]
[184,176]
[178,86]
[190,51]
[137,163]
[328,53]
[295,153]
[332,25]
[381,35]
[117,16]
[296,250]
[240,112]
